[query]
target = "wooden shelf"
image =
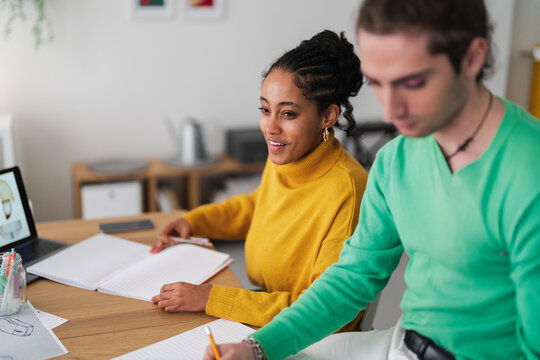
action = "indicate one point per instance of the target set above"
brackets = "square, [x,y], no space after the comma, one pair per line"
[158,170]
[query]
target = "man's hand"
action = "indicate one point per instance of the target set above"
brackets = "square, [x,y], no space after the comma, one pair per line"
[182,296]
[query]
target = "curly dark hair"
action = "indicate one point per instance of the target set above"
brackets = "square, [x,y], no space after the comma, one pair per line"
[451,25]
[326,70]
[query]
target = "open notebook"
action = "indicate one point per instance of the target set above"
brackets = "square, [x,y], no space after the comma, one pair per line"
[122,267]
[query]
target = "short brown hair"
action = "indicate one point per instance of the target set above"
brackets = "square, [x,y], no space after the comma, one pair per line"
[451,25]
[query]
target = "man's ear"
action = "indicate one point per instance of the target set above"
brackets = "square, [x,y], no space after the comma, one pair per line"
[474,58]
[331,115]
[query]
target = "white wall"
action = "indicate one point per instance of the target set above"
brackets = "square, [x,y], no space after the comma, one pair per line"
[103,86]
[526,34]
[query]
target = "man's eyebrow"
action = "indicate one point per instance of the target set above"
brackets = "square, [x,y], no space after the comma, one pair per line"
[405,78]
[290,103]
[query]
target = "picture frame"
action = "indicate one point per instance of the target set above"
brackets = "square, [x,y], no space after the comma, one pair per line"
[203,9]
[152,9]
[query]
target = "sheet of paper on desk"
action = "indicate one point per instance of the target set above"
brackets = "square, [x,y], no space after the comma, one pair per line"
[191,344]
[50,320]
[25,336]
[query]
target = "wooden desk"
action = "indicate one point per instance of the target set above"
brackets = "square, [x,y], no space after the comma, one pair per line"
[103,326]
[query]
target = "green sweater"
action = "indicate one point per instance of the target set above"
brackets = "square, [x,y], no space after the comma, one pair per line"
[473,238]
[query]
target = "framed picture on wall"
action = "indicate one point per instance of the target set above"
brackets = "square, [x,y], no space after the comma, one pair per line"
[203,8]
[141,9]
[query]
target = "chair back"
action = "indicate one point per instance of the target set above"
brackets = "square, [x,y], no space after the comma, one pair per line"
[366,323]
[367,138]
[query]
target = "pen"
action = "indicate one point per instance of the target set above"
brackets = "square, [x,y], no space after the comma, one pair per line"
[3,280]
[6,298]
[212,343]
[195,241]
[5,259]
[16,279]
[9,264]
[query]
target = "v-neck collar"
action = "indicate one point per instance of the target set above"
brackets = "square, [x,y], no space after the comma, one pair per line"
[507,123]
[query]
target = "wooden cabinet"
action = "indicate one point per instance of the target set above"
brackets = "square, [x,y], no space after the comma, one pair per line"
[155,172]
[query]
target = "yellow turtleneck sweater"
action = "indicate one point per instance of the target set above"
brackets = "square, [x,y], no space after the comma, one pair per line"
[294,224]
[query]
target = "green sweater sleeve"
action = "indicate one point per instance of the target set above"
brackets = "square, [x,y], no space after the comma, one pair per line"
[227,220]
[524,250]
[365,265]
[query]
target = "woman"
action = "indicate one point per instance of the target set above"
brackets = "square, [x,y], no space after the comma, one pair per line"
[308,200]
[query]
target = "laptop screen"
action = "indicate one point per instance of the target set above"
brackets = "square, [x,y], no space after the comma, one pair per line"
[16,221]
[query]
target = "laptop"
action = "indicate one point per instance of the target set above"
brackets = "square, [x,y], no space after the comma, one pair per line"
[17,227]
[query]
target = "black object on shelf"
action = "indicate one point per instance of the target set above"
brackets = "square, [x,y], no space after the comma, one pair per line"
[246,145]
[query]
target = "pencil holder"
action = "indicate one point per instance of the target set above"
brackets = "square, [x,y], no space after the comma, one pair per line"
[12,284]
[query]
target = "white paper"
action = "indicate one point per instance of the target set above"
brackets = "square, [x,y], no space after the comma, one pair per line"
[25,336]
[191,344]
[144,279]
[50,320]
[88,262]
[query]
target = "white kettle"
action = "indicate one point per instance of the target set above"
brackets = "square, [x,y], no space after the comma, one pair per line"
[187,135]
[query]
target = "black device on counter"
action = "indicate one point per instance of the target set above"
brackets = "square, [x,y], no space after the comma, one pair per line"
[115,227]
[246,145]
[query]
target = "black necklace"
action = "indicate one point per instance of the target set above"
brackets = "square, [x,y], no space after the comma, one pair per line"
[467,141]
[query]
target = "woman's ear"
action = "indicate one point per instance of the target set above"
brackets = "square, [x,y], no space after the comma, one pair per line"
[331,115]
[474,58]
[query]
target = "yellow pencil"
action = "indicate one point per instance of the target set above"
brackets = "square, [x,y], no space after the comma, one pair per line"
[214,347]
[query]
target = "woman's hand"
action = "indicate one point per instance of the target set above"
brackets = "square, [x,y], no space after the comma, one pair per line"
[240,351]
[179,227]
[182,296]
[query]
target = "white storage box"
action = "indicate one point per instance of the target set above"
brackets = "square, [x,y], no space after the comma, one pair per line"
[111,199]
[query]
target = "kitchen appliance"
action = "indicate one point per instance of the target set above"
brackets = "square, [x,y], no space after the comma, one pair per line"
[187,136]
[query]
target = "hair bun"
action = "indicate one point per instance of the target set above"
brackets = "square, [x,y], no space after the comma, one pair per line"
[349,63]
[337,48]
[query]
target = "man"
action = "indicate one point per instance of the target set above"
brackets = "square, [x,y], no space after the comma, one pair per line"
[459,192]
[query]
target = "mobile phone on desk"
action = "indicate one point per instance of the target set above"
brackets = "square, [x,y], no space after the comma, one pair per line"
[122,226]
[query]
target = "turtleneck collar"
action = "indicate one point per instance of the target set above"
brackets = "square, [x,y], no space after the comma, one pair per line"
[314,165]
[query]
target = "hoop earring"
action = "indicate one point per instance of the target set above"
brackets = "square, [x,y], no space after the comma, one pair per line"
[325,134]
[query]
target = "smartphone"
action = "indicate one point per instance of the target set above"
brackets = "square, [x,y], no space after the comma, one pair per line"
[115,227]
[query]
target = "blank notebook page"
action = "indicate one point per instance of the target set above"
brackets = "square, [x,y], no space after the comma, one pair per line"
[144,279]
[86,263]
[191,344]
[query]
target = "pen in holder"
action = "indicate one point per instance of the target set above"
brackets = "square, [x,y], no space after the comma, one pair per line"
[12,283]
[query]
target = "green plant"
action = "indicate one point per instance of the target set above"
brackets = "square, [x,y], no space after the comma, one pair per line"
[42,27]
